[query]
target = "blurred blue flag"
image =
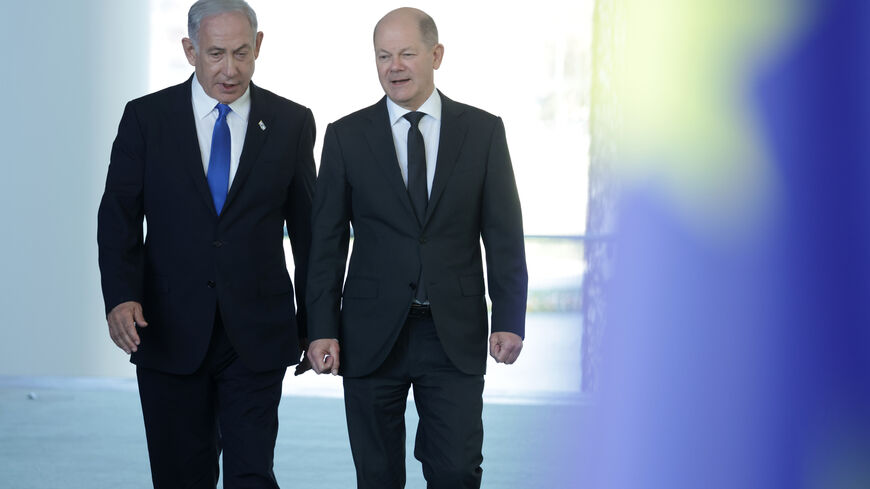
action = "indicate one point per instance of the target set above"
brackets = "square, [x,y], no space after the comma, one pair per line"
[743,360]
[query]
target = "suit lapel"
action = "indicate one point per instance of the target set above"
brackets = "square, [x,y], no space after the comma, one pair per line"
[255,137]
[182,118]
[379,135]
[453,130]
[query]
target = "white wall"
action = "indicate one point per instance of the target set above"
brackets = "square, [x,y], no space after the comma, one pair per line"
[67,69]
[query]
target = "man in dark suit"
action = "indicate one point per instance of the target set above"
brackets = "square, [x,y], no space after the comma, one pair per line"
[216,166]
[422,179]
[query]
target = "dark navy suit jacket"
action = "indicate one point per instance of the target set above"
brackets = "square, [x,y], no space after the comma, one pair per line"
[193,261]
[473,196]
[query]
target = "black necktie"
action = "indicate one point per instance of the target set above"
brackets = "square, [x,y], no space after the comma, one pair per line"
[417,188]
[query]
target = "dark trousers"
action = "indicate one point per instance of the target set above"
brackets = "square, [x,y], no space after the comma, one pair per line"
[223,406]
[449,402]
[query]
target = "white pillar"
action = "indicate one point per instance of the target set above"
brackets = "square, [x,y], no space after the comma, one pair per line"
[68,69]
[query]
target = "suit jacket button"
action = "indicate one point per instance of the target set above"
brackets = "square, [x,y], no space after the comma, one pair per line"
[412,286]
[217,244]
[211,284]
[422,239]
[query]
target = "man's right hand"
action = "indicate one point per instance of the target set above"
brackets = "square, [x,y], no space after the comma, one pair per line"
[123,320]
[323,355]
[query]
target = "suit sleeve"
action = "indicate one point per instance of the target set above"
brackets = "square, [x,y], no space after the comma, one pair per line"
[502,233]
[297,215]
[119,219]
[329,241]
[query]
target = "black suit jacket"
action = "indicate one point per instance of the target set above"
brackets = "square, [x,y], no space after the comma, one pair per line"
[473,196]
[193,261]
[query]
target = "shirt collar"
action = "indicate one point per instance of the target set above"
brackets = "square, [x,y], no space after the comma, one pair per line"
[203,105]
[431,107]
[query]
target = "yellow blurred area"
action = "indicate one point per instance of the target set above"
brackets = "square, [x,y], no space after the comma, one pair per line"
[684,70]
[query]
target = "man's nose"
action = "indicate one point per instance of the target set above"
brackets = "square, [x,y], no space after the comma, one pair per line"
[230,66]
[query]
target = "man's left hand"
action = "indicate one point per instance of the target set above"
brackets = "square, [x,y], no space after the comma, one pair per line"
[505,347]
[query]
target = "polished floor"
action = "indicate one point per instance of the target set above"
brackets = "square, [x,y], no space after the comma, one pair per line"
[88,434]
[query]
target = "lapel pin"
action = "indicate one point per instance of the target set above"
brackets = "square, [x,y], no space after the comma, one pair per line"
[262,126]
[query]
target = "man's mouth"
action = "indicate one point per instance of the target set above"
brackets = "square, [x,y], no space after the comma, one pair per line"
[228,86]
[398,83]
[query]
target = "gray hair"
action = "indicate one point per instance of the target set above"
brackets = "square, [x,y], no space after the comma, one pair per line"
[206,8]
[428,30]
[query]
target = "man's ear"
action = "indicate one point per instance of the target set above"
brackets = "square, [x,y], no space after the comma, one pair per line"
[439,55]
[189,50]
[257,42]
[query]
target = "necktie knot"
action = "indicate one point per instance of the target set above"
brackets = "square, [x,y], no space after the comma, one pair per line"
[223,110]
[414,118]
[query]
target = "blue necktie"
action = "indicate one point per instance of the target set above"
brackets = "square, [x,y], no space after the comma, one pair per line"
[219,160]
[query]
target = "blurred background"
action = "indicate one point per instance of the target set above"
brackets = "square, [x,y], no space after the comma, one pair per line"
[736,351]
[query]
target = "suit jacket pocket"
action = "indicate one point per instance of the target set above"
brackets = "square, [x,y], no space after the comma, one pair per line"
[471,285]
[274,162]
[276,285]
[360,288]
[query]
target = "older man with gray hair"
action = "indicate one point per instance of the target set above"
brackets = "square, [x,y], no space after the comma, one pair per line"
[204,304]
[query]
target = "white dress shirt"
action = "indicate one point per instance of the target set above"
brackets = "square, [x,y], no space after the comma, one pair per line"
[205,113]
[430,127]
